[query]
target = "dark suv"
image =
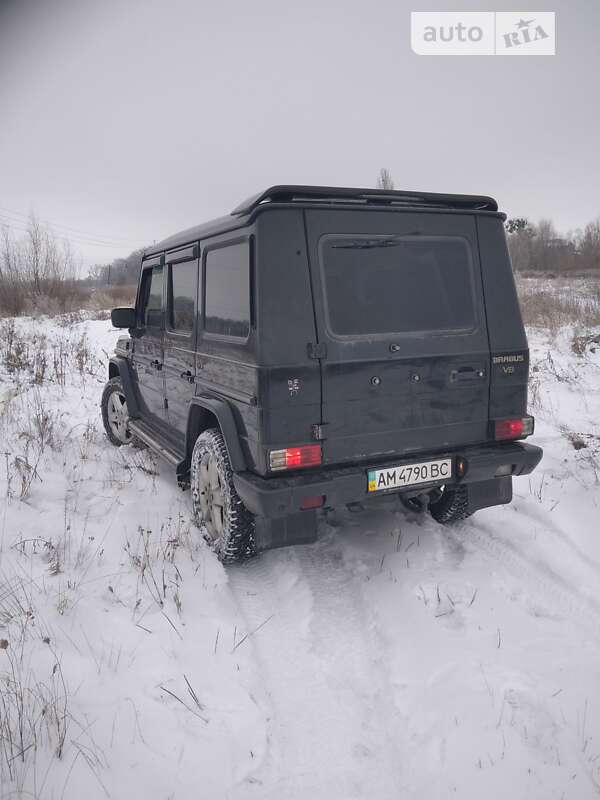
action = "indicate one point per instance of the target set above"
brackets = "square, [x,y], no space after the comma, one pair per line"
[326,346]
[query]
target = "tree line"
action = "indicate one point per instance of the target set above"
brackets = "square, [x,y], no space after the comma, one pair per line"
[540,248]
[120,271]
[40,272]
[533,247]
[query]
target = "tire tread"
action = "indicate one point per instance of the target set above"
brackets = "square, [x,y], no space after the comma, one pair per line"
[237,543]
[453,506]
[109,388]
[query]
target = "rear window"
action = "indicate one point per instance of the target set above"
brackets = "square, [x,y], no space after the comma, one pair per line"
[394,284]
[227,290]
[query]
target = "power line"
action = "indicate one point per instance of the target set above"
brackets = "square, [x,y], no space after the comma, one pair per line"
[22,228]
[84,234]
[81,234]
[12,222]
[82,239]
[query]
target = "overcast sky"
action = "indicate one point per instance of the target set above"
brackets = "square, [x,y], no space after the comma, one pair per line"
[127,120]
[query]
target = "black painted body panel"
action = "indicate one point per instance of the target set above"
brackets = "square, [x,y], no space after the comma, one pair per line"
[418,403]
[508,395]
[147,355]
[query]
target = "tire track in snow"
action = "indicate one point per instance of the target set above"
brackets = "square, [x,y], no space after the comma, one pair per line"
[539,516]
[557,593]
[334,733]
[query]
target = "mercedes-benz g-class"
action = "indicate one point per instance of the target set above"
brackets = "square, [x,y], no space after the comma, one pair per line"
[323,346]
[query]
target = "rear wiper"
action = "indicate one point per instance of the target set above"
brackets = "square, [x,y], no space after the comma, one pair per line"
[370,244]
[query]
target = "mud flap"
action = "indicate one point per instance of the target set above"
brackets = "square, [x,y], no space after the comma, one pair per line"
[495,492]
[300,528]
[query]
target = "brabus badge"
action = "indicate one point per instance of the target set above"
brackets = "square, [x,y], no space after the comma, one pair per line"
[514,359]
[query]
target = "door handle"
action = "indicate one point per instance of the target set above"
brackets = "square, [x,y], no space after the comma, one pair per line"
[467,374]
[156,364]
[188,375]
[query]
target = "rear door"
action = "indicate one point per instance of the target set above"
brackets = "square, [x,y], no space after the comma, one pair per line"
[181,330]
[403,334]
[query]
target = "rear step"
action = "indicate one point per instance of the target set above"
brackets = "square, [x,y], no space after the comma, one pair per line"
[156,442]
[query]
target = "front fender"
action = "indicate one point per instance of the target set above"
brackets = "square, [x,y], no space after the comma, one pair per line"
[122,367]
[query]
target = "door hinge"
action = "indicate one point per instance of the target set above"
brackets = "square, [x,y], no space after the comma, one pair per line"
[316,350]
[317,432]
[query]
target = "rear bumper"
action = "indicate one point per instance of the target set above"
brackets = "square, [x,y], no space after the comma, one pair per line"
[283,495]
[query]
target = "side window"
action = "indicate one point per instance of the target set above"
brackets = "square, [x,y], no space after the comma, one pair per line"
[151,306]
[227,290]
[183,278]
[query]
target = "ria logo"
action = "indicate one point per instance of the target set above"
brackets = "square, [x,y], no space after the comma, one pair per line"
[483,33]
[526,32]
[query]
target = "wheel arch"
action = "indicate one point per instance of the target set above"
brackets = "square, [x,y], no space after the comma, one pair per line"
[211,412]
[119,368]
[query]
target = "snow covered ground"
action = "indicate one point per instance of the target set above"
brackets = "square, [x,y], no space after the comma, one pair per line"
[392,659]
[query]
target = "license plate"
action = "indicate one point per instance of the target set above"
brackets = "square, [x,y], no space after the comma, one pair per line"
[409,475]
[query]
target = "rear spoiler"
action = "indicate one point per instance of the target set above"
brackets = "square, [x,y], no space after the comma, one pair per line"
[384,197]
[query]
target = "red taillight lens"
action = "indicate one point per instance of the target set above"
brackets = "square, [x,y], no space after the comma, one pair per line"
[513,428]
[303,456]
[306,455]
[508,428]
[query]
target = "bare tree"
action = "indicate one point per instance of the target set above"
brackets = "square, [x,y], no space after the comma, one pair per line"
[384,181]
[588,246]
[120,272]
[46,261]
[520,238]
[36,270]
[540,248]
[12,296]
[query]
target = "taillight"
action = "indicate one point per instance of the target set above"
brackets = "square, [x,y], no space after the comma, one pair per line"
[513,428]
[306,455]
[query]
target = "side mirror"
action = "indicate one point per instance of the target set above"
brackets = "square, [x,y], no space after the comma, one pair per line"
[123,317]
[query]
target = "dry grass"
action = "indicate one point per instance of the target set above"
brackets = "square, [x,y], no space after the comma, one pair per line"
[32,357]
[34,705]
[552,308]
[581,344]
[32,426]
[63,298]
[154,558]
[50,569]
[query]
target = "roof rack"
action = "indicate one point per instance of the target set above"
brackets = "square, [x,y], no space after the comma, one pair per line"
[338,194]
